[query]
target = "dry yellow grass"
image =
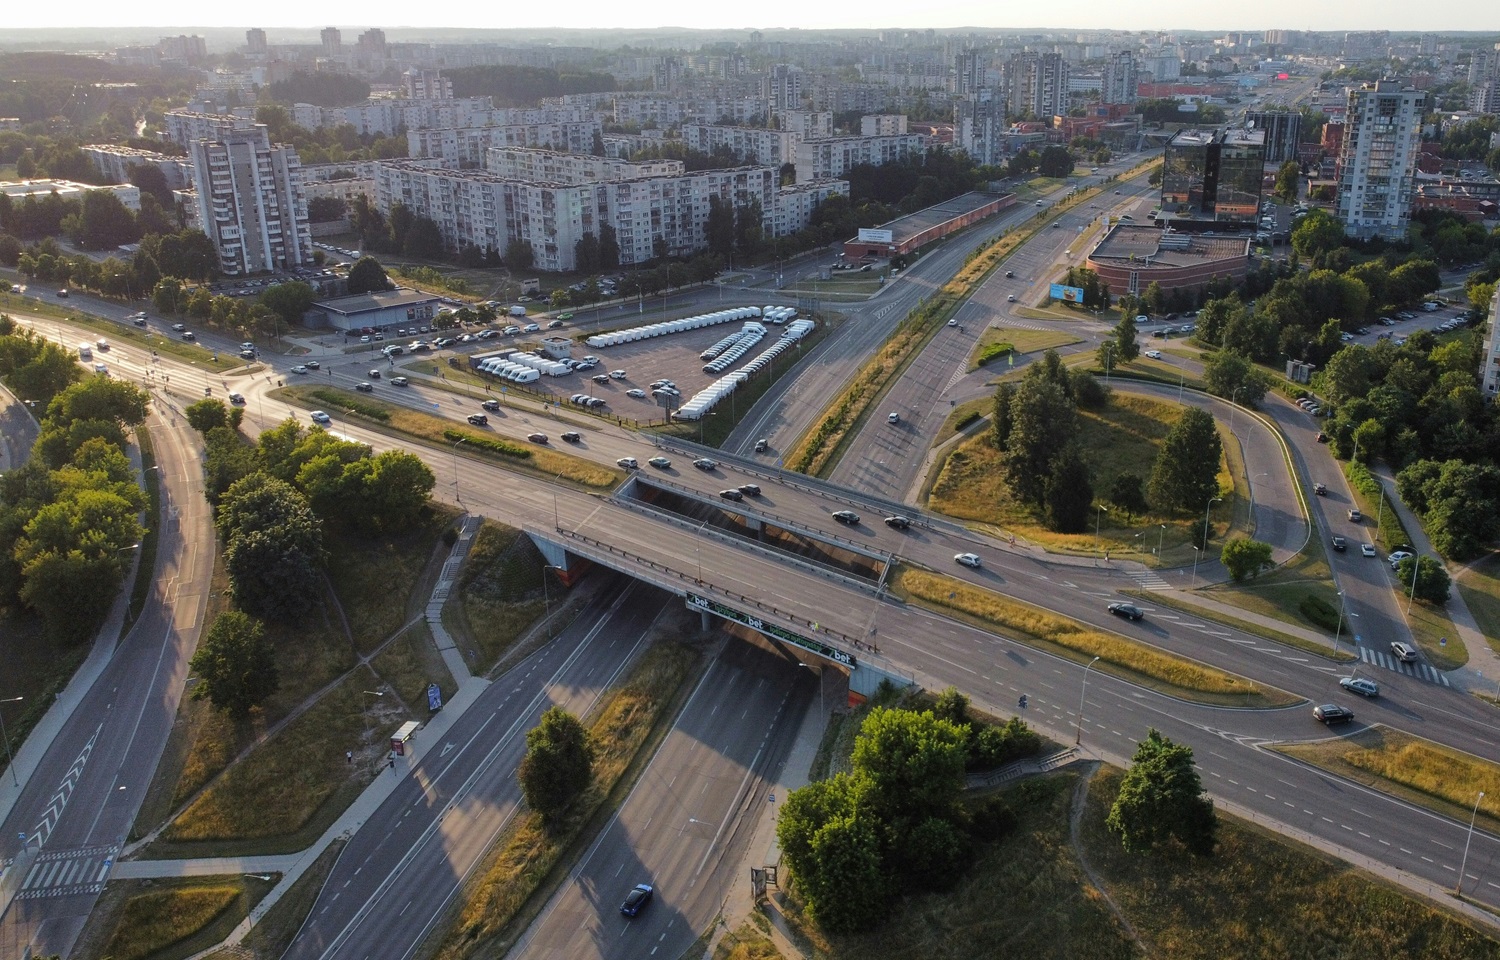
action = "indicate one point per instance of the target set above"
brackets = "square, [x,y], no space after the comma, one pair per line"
[1432,769]
[1194,679]
[409,663]
[526,852]
[154,921]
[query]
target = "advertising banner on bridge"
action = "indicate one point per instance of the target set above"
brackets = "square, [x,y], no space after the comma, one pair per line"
[871,235]
[718,609]
[1067,294]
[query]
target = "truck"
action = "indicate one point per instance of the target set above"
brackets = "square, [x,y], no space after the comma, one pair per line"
[85,351]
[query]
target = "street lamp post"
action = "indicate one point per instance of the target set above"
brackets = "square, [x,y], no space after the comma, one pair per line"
[1343,605]
[1206,510]
[10,759]
[1416,566]
[1197,552]
[1099,513]
[456,495]
[1083,693]
[1459,890]
[1159,535]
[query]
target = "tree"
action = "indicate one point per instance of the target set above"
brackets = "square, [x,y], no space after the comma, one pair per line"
[1316,235]
[289,301]
[1070,493]
[103,222]
[609,247]
[235,665]
[832,843]
[1162,798]
[208,413]
[1244,559]
[273,547]
[1186,473]
[914,761]
[519,255]
[1230,375]
[1000,423]
[366,275]
[1127,493]
[1433,583]
[1126,347]
[1286,181]
[1043,421]
[1055,162]
[558,765]
[397,486]
[167,296]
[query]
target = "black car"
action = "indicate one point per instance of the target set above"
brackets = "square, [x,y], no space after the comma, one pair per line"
[897,522]
[365,386]
[1127,610]
[491,404]
[636,899]
[1340,544]
[732,494]
[572,436]
[705,463]
[313,365]
[750,489]
[1331,713]
[846,517]
[479,419]
[189,336]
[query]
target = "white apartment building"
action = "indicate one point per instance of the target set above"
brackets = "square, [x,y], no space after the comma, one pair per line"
[128,194]
[386,116]
[250,201]
[524,163]
[807,124]
[1119,82]
[466,146]
[115,163]
[1378,159]
[979,126]
[1489,362]
[882,125]
[783,87]
[753,145]
[426,85]
[669,212]
[186,126]
[824,159]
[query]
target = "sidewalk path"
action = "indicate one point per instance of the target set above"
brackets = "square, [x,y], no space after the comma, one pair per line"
[1483,661]
[452,656]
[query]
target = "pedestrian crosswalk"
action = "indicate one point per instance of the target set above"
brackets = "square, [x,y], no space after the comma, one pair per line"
[1421,671]
[1150,580]
[64,873]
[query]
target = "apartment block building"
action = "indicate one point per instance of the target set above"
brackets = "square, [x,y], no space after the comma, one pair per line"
[1037,83]
[795,203]
[1378,159]
[116,162]
[464,147]
[426,85]
[250,201]
[807,124]
[783,87]
[752,145]
[522,163]
[385,117]
[1119,81]
[1489,360]
[186,126]
[823,159]
[882,125]
[979,126]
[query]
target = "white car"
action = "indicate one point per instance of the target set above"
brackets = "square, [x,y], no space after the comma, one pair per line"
[628,463]
[1397,557]
[1154,354]
[969,560]
[617,374]
[1368,549]
[299,368]
[637,393]
[532,327]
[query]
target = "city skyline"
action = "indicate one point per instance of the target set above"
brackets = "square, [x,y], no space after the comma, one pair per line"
[1468,16]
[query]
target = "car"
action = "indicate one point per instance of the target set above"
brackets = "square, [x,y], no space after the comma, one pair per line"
[628,463]
[636,899]
[893,417]
[584,365]
[237,399]
[1339,544]
[1154,354]
[365,386]
[400,382]
[1010,298]
[750,489]
[1361,686]
[247,354]
[1355,516]
[478,419]
[190,336]
[531,328]
[314,365]
[1367,549]
[660,463]
[600,378]
[969,560]
[762,445]
[63,293]
[512,330]
[847,517]
[374,374]
[139,319]
[596,401]
[491,405]
[1009,274]
[1322,437]
[572,436]
[537,437]
[1126,216]
[565,316]
[953,322]
[636,392]
[1403,651]
[318,416]
[732,494]
[706,463]
[393,351]
[1397,556]
[1127,610]
[1331,713]
[1321,489]
[555,325]
[178,327]
[300,368]
[898,522]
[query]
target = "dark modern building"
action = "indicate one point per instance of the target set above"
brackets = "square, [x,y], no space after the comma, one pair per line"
[1283,133]
[1213,175]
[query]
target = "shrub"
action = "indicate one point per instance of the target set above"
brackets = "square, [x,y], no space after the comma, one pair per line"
[502,448]
[1318,612]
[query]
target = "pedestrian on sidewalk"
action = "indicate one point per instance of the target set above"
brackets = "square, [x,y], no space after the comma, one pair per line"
[349,755]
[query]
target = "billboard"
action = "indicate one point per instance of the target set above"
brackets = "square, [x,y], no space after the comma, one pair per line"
[1067,294]
[871,235]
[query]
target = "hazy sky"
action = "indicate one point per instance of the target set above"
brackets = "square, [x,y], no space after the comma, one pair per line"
[1477,15]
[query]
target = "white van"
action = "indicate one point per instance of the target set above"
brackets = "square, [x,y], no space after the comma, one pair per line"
[518,311]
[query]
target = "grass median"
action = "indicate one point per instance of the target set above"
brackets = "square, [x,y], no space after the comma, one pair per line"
[1171,674]
[1434,776]
[997,343]
[435,432]
[500,594]
[278,926]
[526,855]
[171,918]
[1185,604]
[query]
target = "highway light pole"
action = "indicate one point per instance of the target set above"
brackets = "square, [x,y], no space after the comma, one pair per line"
[1416,566]
[1197,552]
[1160,534]
[1206,510]
[1458,891]
[455,470]
[1343,605]
[10,759]
[1083,693]
[1099,516]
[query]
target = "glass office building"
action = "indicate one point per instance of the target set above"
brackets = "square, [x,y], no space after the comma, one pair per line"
[1213,175]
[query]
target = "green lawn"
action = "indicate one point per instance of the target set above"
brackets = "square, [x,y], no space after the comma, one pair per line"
[1479,585]
[1019,339]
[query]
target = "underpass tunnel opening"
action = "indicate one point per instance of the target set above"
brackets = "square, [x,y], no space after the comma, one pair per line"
[765,532]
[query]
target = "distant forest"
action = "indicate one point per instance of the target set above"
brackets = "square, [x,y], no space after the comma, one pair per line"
[514,86]
[323,89]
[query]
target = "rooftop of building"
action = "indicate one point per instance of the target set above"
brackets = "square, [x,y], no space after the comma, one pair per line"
[119,149]
[21,188]
[904,228]
[376,300]
[1144,244]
